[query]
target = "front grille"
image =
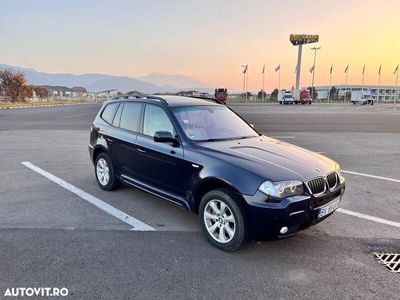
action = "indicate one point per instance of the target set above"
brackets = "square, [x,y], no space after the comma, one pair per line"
[332,180]
[317,185]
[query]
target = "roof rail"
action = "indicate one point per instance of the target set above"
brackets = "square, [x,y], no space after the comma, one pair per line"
[150,97]
[208,99]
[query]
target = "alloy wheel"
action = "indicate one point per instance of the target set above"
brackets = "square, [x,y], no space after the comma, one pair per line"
[102,171]
[219,221]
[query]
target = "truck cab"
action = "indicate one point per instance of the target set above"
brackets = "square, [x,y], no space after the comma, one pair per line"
[285,97]
[305,97]
[221,94]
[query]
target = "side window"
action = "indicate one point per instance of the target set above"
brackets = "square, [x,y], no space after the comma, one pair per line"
[117,117]
[156,119]
[130,116]
[109,112]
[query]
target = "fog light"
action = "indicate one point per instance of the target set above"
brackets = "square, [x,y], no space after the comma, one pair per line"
[283,230]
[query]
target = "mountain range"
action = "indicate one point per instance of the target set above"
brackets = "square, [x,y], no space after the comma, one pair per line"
[151,83]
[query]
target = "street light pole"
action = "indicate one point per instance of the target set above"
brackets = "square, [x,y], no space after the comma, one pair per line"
[313,73]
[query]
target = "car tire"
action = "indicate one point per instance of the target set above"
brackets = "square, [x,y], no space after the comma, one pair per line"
[105,173]
[223,219]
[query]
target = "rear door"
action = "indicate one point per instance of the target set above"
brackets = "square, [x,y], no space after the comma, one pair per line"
[124,135]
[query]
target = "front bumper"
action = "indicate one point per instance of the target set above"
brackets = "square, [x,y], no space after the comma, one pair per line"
[296,213]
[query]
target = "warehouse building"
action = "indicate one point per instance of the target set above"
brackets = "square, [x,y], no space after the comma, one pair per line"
[379,93]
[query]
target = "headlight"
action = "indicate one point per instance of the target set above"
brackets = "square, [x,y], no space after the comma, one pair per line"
[282,189]
[339,172]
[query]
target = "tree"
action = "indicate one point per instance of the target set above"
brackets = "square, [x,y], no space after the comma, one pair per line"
[248,95]
[14,86]
[274,95]
[333,93]
[313,92]
[41,92]
[261,95]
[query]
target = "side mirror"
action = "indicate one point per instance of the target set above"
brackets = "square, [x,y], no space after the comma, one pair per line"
[164,137]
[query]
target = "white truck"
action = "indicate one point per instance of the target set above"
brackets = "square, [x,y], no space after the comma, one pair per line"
[362,97]
[285,97]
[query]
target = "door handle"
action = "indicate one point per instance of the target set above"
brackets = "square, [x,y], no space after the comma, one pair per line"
[141,150]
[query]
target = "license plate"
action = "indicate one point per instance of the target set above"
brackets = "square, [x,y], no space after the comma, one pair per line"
[323,211]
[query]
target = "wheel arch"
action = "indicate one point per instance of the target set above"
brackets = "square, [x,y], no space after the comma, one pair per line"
[96,151]
[209,184]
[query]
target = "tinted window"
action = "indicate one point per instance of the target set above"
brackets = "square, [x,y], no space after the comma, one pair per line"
[156,119]
[130,116]
[117,117]
[108,112]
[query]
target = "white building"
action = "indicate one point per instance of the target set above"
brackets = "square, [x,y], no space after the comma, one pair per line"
[107,94]
[379,93]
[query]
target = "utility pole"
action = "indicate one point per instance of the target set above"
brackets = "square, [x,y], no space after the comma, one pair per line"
[347,78]
[247,83]
[244,80]
[278,69]
[396,71]
[263,85]
[330,83]
[363,73]
[379,82]
[315,49]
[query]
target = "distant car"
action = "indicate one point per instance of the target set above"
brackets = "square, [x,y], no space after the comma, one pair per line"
[202,156]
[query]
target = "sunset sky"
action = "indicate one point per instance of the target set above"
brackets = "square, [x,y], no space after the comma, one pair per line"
[207,40]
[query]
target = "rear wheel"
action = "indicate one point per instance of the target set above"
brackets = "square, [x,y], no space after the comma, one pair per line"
[105,173]
[223,220]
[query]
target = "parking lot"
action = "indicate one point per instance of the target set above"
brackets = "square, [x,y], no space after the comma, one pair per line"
[58,228]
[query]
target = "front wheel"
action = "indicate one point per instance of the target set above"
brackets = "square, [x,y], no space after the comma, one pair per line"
[223,220]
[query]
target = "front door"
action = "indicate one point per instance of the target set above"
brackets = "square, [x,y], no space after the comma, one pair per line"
[160,163]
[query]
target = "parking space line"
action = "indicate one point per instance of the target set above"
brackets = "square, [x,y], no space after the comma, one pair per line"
[135,223]
[283,137]
[367,217]
[372,176]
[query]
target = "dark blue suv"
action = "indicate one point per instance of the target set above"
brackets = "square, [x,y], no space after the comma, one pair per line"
[199,154]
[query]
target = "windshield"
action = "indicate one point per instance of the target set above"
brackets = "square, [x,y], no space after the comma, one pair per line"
[212,123]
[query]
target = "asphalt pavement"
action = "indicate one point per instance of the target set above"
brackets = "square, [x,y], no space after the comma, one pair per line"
[52,237]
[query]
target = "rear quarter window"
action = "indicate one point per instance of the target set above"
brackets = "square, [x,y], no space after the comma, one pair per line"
[109,112]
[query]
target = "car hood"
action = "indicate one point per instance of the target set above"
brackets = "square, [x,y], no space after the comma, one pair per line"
[271,158]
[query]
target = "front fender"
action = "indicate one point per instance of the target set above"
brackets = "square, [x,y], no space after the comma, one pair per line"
[242,180]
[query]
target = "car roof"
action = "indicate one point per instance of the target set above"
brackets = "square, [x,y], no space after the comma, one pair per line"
[169,100]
